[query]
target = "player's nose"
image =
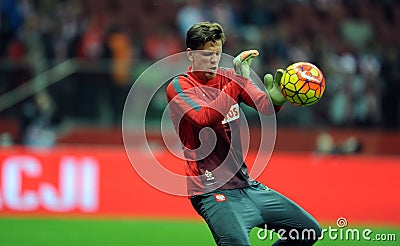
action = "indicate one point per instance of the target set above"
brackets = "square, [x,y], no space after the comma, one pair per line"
[214,58]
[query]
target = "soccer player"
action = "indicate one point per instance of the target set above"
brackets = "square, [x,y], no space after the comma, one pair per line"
[204,106]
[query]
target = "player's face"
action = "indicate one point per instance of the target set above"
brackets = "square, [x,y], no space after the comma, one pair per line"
[205,60]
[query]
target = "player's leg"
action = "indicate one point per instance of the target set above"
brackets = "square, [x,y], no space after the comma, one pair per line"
[281,213]
[228,215]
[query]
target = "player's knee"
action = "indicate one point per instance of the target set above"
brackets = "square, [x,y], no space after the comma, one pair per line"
[315,234]
[318,231]
[310,234]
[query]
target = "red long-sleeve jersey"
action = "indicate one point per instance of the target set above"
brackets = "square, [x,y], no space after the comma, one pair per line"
[206,116]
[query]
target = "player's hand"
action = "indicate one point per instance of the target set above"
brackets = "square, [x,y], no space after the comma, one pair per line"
[242,62]
[272,84]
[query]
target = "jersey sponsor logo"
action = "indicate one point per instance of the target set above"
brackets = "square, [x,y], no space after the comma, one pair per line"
[220,197]
[233,114]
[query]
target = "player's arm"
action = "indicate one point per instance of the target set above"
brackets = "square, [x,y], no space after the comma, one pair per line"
[257,99]
[185,100]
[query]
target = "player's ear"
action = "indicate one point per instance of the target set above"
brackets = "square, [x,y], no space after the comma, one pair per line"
[189,54]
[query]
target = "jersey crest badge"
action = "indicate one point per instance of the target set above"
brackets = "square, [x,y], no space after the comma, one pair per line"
[220,197]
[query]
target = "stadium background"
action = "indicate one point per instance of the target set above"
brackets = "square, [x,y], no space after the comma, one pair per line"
[67,66]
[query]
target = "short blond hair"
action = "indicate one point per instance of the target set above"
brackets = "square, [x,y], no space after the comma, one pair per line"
[202,32]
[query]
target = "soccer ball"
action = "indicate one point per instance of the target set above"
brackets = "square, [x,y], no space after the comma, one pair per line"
[302,84]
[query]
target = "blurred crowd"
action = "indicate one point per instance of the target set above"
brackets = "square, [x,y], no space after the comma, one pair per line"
[355,43]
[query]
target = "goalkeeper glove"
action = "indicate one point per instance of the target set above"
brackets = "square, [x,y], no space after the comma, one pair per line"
[242,63]
[272,84]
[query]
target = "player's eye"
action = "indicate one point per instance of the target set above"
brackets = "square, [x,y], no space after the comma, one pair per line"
[208,53]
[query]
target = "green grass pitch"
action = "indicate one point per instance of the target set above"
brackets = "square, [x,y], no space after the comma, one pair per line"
[114,232]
